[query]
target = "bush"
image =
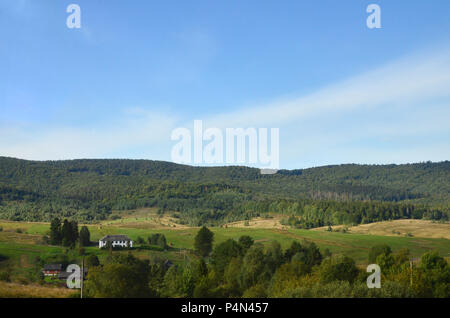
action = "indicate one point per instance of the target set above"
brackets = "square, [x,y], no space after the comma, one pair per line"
[5,276]
[77,294]
[391,289]
[23,280]
[343,289]
[123,277]
[147,247]
[257,291]
[92,261]
[157,239]
[378,250]
[140,240]
[246,242]
[45,240]
[338,269]
[336,289]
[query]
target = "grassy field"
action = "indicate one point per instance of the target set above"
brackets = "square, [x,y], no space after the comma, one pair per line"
[356,245]
[15,290]
[274,222]
[21,243]
[416,228]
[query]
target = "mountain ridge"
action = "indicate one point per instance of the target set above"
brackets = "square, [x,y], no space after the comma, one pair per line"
[91,188]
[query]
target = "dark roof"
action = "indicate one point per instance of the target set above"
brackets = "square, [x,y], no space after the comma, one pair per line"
[115,238]
[65,275]
[52,267]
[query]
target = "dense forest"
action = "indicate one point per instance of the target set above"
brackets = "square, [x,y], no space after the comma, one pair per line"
[89,190]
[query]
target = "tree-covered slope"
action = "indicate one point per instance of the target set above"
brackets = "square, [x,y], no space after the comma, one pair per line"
[90,189]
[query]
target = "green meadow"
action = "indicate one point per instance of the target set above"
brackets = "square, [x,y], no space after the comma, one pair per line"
[29,242]
[23,250]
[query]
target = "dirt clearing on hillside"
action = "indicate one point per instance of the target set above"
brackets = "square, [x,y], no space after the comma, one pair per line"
[414,228]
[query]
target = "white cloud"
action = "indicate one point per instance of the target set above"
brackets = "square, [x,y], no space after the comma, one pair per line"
[136,128]
[408,98]
[408,80]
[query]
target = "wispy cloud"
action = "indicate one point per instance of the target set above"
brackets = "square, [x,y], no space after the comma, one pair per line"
[135,128]
[409,80]
[396,113]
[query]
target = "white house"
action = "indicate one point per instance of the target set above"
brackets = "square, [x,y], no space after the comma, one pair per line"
[116,240]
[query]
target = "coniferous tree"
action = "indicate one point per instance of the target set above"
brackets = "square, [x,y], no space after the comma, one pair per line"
[85,236]
[204,241]
[73,232]
[162,241]
[55,232]
[201,269]
[66,232]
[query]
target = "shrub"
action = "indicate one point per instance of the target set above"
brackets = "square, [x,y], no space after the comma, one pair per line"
[377,250]
[157,239]
[23,280]
[338,269]
[5,276]
[147,247]
[92,261]
[45,240]
[257,291]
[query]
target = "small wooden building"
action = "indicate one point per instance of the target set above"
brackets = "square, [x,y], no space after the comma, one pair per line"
[52,269]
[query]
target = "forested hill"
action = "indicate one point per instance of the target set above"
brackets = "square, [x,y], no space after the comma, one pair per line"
[89,189]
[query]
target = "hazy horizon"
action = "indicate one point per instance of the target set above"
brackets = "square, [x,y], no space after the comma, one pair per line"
[230,165]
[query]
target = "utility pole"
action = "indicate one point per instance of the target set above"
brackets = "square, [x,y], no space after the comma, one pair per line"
[411,276]
[82,275]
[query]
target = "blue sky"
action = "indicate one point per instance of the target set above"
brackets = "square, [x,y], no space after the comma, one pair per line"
[116,88]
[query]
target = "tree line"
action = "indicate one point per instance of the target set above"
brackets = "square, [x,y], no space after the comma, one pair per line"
[66,233]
